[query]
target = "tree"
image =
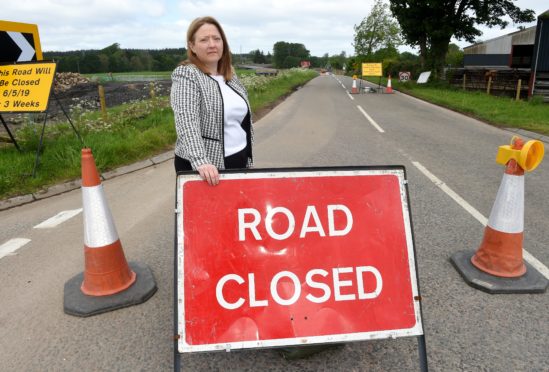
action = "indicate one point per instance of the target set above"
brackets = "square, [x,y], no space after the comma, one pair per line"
[136,64]
[89,62]
[337,61]
[118,61]
[454,57]
[257,56]
[103,65]
[282,50]
[290,61]
[115,59]
[111,49]
[431,25]
[378,30]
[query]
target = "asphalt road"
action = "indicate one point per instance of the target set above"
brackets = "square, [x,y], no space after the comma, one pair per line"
[319,125]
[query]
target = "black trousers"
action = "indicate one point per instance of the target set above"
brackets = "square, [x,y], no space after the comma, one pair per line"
[234,161]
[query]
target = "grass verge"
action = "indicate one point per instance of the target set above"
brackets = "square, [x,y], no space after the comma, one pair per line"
[503,112]
[131,132]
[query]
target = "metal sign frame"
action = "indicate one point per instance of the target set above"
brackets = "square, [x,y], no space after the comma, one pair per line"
[180,345]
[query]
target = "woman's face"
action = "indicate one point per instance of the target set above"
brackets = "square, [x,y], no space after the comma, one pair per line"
[208,45]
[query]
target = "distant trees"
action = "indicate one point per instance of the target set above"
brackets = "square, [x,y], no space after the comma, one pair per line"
[115,59]
[337,61]
[287,55]
[257,56]
[431,25]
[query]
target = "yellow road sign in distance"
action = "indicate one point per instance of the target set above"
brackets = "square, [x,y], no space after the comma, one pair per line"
[371,69]
[26,87]
[19,42]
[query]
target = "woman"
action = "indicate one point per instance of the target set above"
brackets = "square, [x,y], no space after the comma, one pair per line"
[212,113]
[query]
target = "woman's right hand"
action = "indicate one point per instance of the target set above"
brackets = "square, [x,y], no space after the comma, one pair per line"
[209,173]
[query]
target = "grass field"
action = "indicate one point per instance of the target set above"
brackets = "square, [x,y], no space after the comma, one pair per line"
[105,78]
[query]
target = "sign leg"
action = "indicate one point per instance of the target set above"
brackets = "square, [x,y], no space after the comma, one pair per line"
[9,133]
[176,354]
[68,117]
[422,347]
[36,162]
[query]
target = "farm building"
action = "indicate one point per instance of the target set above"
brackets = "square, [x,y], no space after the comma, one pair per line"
[524,53]
[514,50]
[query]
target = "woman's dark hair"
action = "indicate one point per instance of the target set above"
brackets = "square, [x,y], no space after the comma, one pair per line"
[224,66]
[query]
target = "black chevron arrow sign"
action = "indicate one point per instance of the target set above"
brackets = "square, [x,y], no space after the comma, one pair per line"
[16,47]
[19,42]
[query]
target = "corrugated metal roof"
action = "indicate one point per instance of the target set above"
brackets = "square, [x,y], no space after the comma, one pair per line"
[502,43]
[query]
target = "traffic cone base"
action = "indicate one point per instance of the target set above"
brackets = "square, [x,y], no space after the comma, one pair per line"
[531,282]
[505,259]
[78,304]
[106,272]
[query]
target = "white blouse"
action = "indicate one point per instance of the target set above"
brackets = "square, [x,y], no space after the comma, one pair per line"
[235,110]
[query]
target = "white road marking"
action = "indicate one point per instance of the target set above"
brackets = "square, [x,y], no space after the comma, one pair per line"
[11,246]
[477,215]
[372,121]
[351,97]
[458,199]
[58,219]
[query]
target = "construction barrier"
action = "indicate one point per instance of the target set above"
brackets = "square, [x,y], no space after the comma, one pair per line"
[498,266]
[108,281]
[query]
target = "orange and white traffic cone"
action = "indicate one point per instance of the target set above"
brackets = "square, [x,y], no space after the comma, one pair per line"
[106,269]
[500,252]
[389,88]
[498,266]
[354,89]
[106,272]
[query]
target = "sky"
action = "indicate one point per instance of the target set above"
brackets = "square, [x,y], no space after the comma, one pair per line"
[323,26]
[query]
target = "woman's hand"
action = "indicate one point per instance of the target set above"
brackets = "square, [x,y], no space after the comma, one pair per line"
[209,173]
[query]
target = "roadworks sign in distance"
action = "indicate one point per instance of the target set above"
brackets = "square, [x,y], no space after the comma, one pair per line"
[26,87]
[372,69]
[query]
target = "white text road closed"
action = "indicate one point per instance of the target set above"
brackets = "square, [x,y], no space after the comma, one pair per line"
[342,287]
[277,258]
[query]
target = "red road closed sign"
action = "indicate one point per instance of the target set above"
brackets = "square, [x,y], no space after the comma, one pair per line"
[271,258]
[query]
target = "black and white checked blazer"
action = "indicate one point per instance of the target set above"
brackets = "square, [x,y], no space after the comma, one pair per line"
[197,105]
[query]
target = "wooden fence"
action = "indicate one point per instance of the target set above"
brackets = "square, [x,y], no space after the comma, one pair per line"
[511,83]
